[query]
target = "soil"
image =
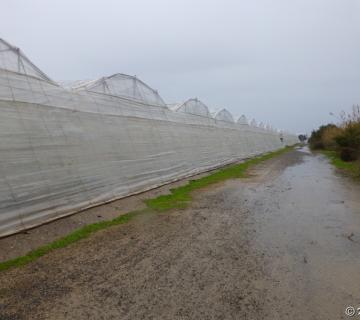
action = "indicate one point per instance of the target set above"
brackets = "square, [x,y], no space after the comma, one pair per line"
[281,244]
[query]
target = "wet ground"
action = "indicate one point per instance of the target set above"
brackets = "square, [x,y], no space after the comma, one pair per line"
[282,244]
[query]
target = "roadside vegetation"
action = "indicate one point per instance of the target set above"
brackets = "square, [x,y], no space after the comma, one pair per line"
[179,198]
[341,143]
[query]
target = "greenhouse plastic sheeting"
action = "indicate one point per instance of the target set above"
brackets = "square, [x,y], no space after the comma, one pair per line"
[66,150]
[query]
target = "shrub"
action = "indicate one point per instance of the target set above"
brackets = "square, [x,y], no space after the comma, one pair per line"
[345,139]
[348,154]
[329,137]
[349,141]
[316,138]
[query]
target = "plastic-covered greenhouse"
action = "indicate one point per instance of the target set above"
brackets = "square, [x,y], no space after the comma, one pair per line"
[13,59]
[243,120]
[193,106]
[122,85]
[66,149]
[223,115]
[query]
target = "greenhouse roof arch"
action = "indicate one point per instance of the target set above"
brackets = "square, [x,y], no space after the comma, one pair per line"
[223,115]
[123,85]
[14,60]
[243,120]
[193,106]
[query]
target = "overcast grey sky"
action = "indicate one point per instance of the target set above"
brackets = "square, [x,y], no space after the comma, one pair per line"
[288,63]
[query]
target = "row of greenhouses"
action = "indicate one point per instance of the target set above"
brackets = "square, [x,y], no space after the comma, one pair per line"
[66,147]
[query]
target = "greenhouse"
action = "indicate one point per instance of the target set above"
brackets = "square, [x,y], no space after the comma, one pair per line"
[193,106]
[223,115]
[68,147]
[242,120]
[13,59]
[122,85]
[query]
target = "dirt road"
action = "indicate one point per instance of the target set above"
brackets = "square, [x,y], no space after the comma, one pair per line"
[283,244]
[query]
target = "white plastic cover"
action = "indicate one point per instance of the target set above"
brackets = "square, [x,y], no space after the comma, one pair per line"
[122,85]
[242,120]
[62,150]
[70,84]
[193,106]
[12,59]
[224,115]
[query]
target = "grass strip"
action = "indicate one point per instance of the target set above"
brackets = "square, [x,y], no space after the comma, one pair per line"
[179,198]
[352,168]
[63,242]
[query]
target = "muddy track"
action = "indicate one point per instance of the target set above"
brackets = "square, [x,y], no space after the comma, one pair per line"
[282,244]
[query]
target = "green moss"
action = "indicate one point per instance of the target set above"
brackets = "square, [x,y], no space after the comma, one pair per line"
[178,198]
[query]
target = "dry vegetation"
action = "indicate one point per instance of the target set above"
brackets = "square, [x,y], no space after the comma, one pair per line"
[341,141]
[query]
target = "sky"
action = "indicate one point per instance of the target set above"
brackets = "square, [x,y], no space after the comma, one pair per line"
[286,63]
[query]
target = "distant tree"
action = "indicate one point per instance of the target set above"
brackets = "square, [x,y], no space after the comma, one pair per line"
[302,137]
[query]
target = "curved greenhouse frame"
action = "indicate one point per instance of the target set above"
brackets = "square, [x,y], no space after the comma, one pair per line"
[125,86]
[193,106]
[242,120]
[224,115]
[13,59]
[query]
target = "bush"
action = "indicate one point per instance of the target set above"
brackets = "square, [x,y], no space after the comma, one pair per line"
[345,139]
[316,139]
[329,137]
[348,154]
[349,141]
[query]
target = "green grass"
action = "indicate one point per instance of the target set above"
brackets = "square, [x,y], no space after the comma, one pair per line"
[352,168]
[63,242]
[179,198]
